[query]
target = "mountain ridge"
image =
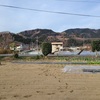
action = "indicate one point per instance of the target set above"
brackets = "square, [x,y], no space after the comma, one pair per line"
[48,35]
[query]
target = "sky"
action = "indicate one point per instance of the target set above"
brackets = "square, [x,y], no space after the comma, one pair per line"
[17,20]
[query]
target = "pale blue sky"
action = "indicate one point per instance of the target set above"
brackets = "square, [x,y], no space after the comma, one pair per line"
[16,20]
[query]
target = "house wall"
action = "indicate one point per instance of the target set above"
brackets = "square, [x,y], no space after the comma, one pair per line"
[57,47]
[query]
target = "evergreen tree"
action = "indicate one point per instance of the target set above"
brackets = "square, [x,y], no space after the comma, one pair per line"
[96,45]
[46,48]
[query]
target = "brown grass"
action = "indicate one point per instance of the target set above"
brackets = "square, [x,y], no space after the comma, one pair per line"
[5,51]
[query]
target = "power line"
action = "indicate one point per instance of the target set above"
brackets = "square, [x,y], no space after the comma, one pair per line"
[48,11]
[80,1]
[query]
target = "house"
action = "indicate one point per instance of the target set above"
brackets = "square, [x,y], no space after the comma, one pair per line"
[17,46]
[57,46]
[22,46]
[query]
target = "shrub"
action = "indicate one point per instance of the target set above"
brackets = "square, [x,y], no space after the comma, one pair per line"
[2,51]
[37,57]
[5,51]
[46,48]
[16,55]
[96,46]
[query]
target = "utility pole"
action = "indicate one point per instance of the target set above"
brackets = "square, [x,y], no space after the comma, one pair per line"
[31,44]
[37,45]
[83,41]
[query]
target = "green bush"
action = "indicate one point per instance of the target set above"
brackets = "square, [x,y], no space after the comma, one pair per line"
[16,55]
[37,57]
[46,48]
[96,45]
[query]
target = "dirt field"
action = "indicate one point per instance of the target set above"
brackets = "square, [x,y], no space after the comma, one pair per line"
[46,82]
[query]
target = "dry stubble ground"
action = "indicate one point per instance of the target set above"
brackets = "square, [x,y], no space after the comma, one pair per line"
[46,82]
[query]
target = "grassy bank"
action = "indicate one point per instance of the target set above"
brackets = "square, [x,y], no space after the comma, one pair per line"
[73,59]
